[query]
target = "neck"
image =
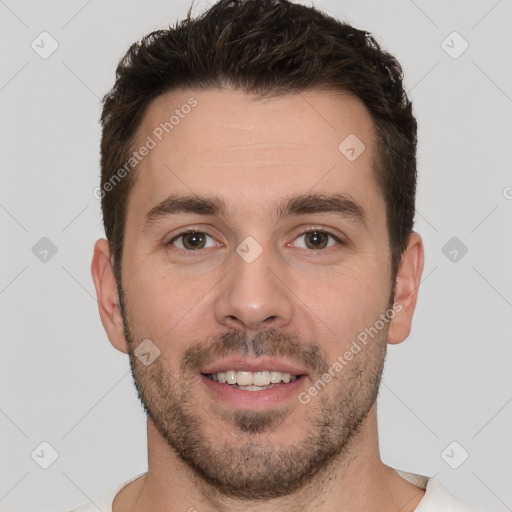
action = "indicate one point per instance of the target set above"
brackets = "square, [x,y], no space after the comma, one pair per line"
[357,480]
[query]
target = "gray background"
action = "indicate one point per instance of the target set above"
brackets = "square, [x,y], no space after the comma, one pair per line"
[60,379]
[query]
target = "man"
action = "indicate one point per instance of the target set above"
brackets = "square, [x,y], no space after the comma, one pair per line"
[258,187]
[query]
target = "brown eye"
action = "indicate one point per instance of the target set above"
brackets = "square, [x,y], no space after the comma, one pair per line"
[191,241]
[194,241]
[316,239]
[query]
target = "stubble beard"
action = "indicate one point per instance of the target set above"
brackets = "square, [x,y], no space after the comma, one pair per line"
[245,465]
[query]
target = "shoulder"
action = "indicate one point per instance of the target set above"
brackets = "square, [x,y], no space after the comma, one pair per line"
[104,504]
[436,498]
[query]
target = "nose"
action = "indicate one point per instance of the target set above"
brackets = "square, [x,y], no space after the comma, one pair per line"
[254,295]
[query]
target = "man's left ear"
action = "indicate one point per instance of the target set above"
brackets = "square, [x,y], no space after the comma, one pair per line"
[406,289]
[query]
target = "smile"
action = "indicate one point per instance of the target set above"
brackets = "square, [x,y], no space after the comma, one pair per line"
[252,381]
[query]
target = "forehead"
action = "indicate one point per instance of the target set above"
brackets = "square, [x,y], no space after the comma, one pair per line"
[236,144]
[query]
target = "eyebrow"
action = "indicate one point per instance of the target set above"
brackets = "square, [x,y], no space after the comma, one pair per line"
[340,204]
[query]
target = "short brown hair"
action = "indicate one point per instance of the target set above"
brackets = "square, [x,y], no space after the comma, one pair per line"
[269,48]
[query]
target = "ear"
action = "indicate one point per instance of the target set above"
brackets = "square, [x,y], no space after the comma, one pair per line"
[108,299]
[406,289]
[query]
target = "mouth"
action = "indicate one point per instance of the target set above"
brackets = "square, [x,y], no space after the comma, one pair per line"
[252,381]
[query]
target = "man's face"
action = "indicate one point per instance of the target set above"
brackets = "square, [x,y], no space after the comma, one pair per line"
[257,285]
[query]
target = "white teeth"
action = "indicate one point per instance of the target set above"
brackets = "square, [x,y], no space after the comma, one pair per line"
[275,377]
[258,379]
[256,388]
[261,378]
[244,378]
[230,377]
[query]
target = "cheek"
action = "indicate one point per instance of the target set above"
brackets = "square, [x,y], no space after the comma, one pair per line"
[348,302]
[164,305]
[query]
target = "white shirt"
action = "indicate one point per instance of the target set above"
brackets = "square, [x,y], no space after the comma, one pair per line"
[436,498]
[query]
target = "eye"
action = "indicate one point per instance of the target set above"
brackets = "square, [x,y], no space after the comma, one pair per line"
[192,241]
[317,239]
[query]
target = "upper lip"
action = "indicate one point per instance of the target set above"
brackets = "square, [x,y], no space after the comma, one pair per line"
[259,364]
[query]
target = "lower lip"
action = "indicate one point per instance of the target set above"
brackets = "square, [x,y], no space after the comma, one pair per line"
[243,399]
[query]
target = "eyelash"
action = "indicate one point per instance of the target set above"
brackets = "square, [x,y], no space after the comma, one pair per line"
[192,253]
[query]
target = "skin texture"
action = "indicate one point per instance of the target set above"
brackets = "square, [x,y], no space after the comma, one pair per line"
[302,304]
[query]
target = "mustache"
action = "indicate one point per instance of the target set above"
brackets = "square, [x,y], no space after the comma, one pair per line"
[270,342]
